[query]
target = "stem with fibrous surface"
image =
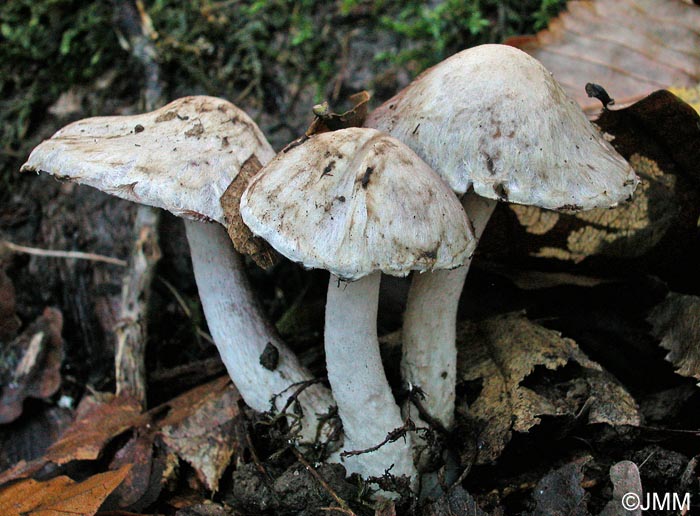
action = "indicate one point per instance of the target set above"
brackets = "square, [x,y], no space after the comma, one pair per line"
[429,358]
[241,333]
[366,404]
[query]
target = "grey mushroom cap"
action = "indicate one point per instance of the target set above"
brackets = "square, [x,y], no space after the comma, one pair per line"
[356,201]
[493,118]
[140,157]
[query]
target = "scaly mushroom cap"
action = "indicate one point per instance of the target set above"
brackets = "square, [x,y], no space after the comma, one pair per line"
[356,201]
[494,118]
[181,157]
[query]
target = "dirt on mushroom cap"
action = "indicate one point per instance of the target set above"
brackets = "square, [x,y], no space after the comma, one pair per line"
[356,201]
[181,157]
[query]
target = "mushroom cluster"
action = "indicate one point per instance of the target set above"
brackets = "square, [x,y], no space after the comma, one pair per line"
[488,124]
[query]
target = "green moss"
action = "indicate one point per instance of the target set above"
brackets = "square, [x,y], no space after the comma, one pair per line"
[258,52]
[46,46]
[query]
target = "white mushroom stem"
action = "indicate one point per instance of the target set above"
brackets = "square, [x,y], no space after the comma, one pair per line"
[429,358]
[366,405]
[241,333]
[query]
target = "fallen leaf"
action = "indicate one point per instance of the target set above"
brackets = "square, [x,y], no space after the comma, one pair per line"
[676,321]
[204,437]
[631,48]
[560,493]
[60,496]
[242,237]
[511,358]
[326,120]
[94,427]
[96,424]
[31,364]
[144,482]
[627,490]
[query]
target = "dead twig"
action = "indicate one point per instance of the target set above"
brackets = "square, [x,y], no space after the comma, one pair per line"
[130,369]
[49,253]
[394,435]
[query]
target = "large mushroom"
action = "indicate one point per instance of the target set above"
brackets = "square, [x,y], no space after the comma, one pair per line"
[357,202]
[494,123]
[182,157]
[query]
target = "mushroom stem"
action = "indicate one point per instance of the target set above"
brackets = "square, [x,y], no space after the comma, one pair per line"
[429,358]
[366,404]
[241,333]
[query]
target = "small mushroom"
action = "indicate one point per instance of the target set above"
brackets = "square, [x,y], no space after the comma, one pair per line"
[494,123]
[357,202]
[182,157]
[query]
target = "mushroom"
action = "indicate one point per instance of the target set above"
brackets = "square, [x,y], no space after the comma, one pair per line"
[182,157]
[494,123]
[357,202]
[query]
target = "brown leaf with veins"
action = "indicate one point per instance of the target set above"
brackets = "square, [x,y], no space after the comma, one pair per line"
[676,321]
[60,496]
[203,435]
[31,364]
[244,241]
[629,47]
[625,478]
[506,355]
[96,424]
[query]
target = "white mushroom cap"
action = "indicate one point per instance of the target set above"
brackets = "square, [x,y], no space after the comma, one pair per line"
[140,157]
[355,201]
[493,117]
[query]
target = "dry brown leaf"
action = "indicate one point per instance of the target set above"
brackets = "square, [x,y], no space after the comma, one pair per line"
[326,120]
[94,427]
[144,482]
[560,493]
[203,435]
[502,353]
[243,238]
[60,496]
[676,321]
[96,424]
[625,478]
[31,364]
[630,47]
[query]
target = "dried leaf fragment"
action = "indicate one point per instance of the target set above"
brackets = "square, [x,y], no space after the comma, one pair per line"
[243,239]
[631,48]
[31,364]
[504,353]
[627,490]
[96,424]
[676,321]
[560,493]
[60,496]
[203,437]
